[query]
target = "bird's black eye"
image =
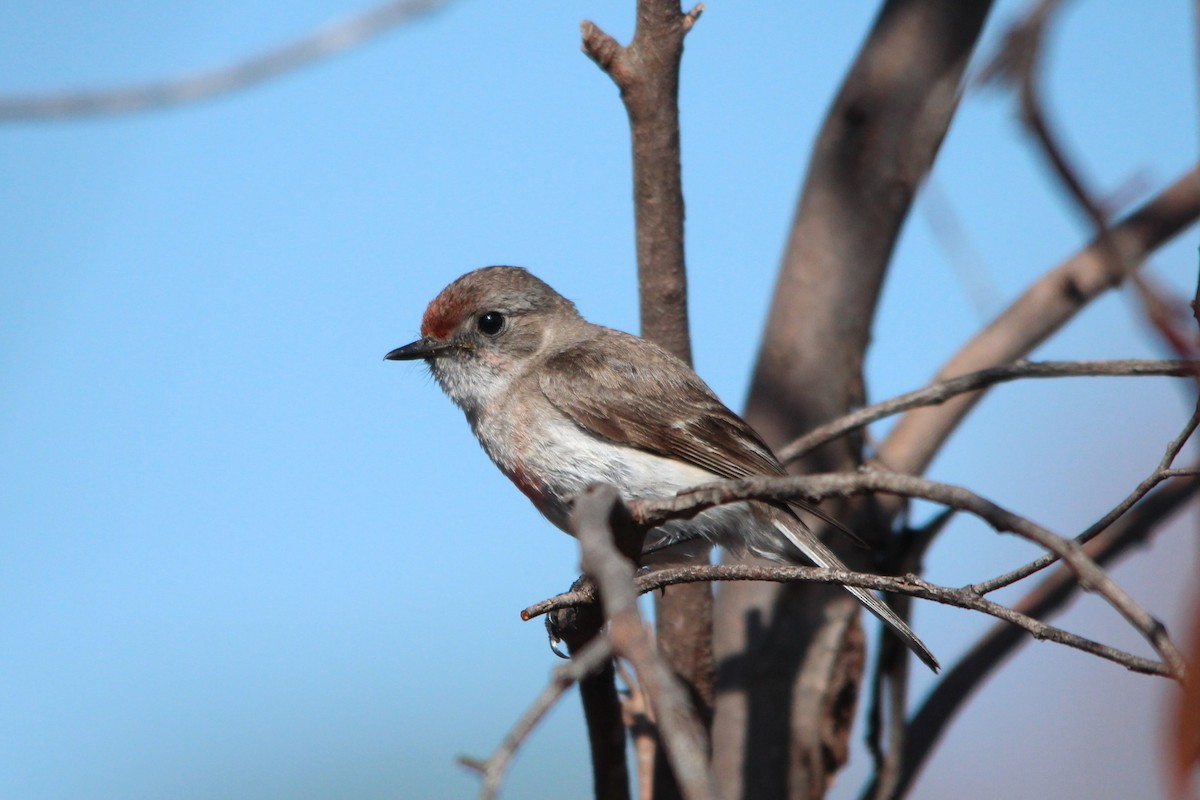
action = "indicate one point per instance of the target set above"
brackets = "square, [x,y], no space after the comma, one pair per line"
[491,323]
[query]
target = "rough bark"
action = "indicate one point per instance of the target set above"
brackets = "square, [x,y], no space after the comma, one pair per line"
[790,658]
[647,74]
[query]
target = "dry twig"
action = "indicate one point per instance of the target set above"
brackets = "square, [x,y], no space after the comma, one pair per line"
[592,657]
[647,73]
[910,585]
[599,517]
[817,487]
[1161,473]
[926,726]
[941,391]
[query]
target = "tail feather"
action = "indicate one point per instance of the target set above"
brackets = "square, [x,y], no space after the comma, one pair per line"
[822,556]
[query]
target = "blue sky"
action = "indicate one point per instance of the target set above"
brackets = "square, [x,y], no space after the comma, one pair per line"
[244,557]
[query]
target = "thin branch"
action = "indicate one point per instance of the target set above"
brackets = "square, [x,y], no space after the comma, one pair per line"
[1172,317]
[887,713]
[1161,473]
[941,391]
[647,73]
[959,251]
[602,711]
[638,716]
[889,687]
[324,42]
[930,721]
[817,487]
[493,769]
[910,585]
[597,518]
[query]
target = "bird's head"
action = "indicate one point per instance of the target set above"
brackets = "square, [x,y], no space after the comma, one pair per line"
[485,328]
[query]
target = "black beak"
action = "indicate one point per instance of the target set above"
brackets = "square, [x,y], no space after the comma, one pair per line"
[422,348]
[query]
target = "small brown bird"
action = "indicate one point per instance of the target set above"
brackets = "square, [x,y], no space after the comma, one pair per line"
[560,404]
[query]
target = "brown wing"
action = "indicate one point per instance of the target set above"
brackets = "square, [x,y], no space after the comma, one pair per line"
[659,405]
[631,391]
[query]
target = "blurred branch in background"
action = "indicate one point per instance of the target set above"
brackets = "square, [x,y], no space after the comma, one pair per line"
[962,255]
[326,41]
[1114,254]
[1047,305]
[1183,720]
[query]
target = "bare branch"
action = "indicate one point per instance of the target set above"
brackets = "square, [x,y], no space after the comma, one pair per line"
[887,714]
[597,518]
[876,144]
[1172,317]
[592,657]
[639,719]
[957,684]
[578,627]
[322,43]
[910,585]
[647,73]
[817,487]
[603,714]
[1161,473]
[941,391]
[1045,307]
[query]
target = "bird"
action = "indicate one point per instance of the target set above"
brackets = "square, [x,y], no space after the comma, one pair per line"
[560,404]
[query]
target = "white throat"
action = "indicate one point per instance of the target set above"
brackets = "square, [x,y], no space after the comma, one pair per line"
[473,383]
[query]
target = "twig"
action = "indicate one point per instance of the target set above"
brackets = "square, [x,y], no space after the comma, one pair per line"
[322,43]
[597,518]
[638,716]
[1161,473]
[890,679]
[817,487]
[592,657]
[957,684]
[910,585]
[943,390]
